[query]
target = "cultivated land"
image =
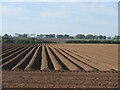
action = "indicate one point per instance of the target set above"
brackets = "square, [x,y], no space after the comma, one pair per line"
[60,65]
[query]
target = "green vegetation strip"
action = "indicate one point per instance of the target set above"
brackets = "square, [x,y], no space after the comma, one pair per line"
[24,40]
[92,41]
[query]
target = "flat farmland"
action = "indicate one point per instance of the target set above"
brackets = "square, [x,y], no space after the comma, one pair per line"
[59,65]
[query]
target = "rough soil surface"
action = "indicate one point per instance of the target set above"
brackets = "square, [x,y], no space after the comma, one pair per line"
[86,57]
[59,65]
[59,79]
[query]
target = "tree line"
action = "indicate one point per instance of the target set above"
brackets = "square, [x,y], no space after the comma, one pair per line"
[24,41]
[92,41]
[65,36]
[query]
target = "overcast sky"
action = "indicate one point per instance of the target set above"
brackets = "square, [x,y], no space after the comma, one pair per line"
[60,18]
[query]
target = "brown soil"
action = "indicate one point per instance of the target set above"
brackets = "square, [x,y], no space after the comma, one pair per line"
[59,79]
[59,66]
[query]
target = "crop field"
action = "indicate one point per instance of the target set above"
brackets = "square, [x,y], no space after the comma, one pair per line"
[73,63]
[60,57]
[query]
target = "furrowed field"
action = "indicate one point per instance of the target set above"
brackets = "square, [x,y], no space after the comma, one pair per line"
[60,65]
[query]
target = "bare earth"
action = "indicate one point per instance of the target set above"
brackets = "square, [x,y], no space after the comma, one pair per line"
[59,79]
[60,66]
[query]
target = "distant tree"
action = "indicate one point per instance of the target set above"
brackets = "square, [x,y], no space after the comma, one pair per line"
[100,37]
[60,36]
[16,34]
[104,37]
[89,36]
[25,35]
[71,37]
[41,36]
[117,37]
[6,35]
[66,36]
[47,36]
[33,35]
[52,35]
[20,36]
[109,38]
[80,36]
[95,37]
